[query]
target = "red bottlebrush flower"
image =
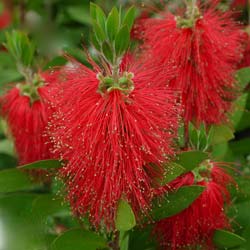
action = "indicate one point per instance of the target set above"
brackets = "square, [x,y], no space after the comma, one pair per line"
[27,119]
[5,19]
[204,57]
[196,224]
[114,141]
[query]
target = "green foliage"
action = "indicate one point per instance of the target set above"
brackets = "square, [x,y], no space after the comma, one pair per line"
[173,170]
[111,33]
[175,202]
[78,239]
[20,47]
[12,180]
[191,159]
[44,164]
[224,239]
[125,219]
[243,77]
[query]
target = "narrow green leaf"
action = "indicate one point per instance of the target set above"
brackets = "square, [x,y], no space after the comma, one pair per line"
[176,202]
[107,51]
[220,134]
[48,205]
[78,239]
[224,239]
[243,76]
[124,240]
[122,40]
[130,17]
[173,170]
[44,164]
[93,10]
[97,15]
[100,35]
[112,24]
[125,218]
[12,180]
[191,159]
[95,42]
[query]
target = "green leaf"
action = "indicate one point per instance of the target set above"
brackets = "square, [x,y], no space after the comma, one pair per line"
[224,239]
[20,47]
[98,15]
[79,14]
[219,134]
[176,202]
[239,109]
[112,24]
[191,159]
[44,164]
[122,40]
[107,51]
[78,239]
[124,240]
[130,17]
[243,76]
[99,33]
[173,171]
[12,180]
[125,218]
[48,205]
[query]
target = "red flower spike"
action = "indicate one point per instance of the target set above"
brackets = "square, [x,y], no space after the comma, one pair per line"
[27,122]
[196,224]
[204,57]
[114,141]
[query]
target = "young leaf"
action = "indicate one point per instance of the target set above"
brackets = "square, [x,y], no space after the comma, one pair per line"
[20,47]
[13,180]
[112,24]
[122,40]
[125,218]
[224,239]
[176,202]
[97,15]
[44,164]
[78,239]
[100,35]
[107,51]
[220,134]
[130,17]
[173,171]
[191,159]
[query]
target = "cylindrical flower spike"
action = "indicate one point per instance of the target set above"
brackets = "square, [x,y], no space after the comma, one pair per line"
[115,134]
[198,45]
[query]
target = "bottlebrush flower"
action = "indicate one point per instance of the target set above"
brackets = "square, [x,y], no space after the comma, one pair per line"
[114,136]
[196,224]
[27,115]
[205,59]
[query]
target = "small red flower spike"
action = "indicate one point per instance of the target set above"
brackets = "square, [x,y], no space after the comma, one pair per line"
[25,109]
[196,225]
